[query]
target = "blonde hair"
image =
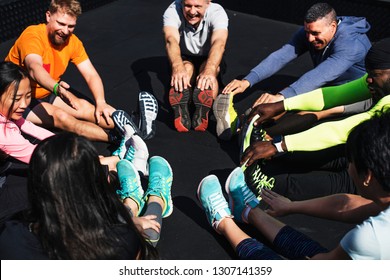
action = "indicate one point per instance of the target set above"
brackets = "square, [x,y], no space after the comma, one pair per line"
[70,7]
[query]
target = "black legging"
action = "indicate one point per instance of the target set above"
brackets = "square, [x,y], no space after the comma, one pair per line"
[13,191]
[288,243]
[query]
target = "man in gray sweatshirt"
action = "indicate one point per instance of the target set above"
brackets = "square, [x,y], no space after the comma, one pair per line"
[337,46]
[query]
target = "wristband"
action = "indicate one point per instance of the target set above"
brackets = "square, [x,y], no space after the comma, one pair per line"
[55,88]
[277,142]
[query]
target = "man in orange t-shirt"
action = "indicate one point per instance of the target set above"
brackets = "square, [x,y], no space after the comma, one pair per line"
[45,51]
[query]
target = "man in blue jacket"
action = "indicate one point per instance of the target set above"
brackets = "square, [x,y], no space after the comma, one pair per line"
[337,46]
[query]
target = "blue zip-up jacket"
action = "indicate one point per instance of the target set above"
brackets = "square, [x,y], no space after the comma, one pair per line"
[341,61]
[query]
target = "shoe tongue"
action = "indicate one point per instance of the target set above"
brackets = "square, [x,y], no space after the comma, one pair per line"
[129,130]
[157,181]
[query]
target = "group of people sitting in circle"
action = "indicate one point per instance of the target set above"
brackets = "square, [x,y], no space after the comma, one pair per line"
[50,209]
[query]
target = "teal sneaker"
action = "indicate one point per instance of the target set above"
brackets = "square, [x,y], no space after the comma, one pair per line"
[226,116]
[130,183]
[240,196]
[128,133]
[213,202]
[160,182]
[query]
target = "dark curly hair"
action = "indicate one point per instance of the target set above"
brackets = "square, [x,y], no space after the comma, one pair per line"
[368,147]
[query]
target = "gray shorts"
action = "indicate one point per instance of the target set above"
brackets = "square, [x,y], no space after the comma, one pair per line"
[34,102]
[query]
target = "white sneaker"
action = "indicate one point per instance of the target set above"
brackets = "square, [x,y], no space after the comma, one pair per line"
[138,154]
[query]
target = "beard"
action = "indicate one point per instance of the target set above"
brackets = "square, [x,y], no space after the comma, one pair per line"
[58,42]
[381,92]
[318,45]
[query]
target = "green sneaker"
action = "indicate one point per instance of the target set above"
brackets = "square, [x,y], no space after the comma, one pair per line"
[226,115]
[213,202]
[249,135]
[130,183]
[240,196]
[160,182]
[257,180]
[254,177]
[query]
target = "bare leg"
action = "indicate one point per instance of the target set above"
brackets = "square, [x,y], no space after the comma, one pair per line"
[264,223]
[85,111]
[110,161]
[228,228]
[47,115]
[132,205]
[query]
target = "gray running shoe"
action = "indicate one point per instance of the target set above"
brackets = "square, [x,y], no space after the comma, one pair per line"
[226,116]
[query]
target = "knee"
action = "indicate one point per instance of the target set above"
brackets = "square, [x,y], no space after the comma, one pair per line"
[60,117]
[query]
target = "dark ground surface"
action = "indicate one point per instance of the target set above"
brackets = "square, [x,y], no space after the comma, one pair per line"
[125,43]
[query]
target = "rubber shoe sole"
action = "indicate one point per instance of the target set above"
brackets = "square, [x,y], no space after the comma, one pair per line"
[179,102]
[226,116]
[203,101]
[121,118]
[148,108]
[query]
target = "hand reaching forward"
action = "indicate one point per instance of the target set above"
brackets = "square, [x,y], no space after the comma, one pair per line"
[236,86]
[279,205]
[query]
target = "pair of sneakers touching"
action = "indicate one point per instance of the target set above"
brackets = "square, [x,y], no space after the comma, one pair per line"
[150,206]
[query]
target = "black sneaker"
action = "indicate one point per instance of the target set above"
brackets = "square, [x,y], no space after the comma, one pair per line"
[148,109]
[114,137]
[179,102]
[203,100]
[254,177]
[121,118]
[257,180]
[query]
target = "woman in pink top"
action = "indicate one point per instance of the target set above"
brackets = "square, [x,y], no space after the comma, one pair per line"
[15,148]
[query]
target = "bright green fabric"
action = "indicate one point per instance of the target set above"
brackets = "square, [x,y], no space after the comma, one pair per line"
[333,133]
[328,97]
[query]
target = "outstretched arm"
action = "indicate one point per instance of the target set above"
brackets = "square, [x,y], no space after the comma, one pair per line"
[322,136]
[34,65]
[95,84]
[208,77]
[348,208]
[316,100]
[333,133]
[327,71]
[180,79]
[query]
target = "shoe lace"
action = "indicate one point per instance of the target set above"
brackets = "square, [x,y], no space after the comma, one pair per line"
[260,180]
[128,186]
[157,184]
[247,194]
[217,202]
[130,153]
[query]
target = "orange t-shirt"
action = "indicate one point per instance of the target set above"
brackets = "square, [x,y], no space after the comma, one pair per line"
[34,40]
